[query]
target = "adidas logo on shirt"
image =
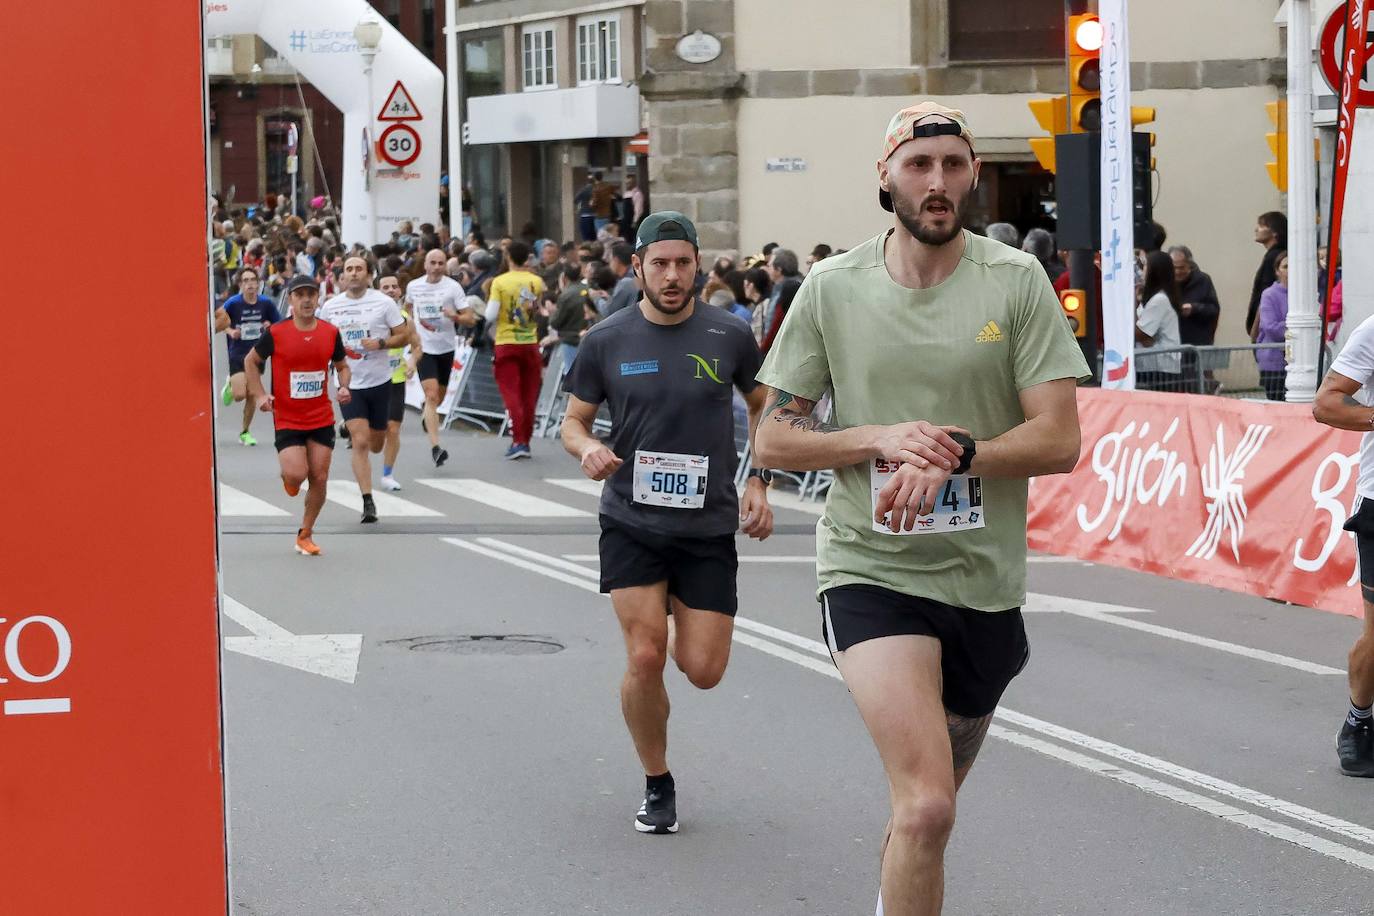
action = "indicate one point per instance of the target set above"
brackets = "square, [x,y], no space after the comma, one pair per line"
[991,333]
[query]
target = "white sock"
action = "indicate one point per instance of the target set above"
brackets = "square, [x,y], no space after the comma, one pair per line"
[879,911]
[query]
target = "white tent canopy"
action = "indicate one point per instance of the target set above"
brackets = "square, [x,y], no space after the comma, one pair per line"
[316,37]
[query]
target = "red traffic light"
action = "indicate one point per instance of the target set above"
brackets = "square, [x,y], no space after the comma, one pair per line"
[1088,35]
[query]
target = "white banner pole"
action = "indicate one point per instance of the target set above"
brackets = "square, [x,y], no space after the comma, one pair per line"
[1118,202]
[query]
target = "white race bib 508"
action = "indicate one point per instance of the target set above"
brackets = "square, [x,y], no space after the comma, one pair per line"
[675,481]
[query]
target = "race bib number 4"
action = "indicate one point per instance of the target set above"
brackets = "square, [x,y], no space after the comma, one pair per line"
[672,481]
[429,311]
[959,508]
[307,384]
[250,330]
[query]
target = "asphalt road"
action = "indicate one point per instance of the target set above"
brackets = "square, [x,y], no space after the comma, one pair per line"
[1169,749]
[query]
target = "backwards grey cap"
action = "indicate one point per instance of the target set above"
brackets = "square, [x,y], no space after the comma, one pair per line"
[665,226]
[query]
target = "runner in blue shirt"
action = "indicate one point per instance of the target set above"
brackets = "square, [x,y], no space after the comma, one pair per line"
[248,315]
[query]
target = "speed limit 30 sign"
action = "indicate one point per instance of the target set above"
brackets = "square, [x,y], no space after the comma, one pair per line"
[399,145]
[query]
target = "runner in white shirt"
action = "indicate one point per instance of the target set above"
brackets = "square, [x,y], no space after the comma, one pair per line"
[1345,401]
[436,302]
[370,323]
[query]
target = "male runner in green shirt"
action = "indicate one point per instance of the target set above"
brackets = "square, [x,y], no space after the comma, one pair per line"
[953,374]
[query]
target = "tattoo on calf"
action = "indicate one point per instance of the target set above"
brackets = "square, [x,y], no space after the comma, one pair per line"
[966,738]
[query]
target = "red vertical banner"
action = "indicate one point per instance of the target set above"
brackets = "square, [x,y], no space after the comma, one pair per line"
[111,772]
[1352,69]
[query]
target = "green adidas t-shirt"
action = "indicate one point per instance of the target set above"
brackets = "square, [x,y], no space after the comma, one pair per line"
[956,354]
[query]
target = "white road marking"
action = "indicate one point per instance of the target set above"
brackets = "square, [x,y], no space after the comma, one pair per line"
[1107,613]
[818,661]
[1050,558]
[577,485]
[1211,806]
[237,502]
[346,493]
[333,655]
[543,567]
[37,707]
[537,557]
[504,498]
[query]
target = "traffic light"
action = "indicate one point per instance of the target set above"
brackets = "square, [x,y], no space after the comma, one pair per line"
[1143,115]
[1051,114]
[1278,143]
[1074,302]
[1085,73]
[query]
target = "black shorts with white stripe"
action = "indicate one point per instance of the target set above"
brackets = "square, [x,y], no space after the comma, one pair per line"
[980,651]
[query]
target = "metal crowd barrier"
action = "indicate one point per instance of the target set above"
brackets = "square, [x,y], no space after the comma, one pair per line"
[1228,372]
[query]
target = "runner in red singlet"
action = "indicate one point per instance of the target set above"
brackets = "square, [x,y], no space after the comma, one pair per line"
[302,349]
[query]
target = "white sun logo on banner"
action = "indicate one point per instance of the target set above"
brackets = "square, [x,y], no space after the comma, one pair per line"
[1222,488]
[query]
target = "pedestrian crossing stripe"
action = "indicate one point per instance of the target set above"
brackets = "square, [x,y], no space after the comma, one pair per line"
[991,333]
[347,493]
[506,498]
[236,502]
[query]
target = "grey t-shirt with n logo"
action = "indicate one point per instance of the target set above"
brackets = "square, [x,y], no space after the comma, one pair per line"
[670,389]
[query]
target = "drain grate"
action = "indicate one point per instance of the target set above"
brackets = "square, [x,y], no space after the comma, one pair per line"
[481,644]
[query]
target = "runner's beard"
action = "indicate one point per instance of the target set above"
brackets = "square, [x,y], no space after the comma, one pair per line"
[656,303]
[911,219]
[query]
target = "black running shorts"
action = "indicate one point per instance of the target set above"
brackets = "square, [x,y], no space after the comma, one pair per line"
[236,365]
[1361,522]
[437,366]
[291,438]
[370,404]
[396,408]
[700,572]
[980,651]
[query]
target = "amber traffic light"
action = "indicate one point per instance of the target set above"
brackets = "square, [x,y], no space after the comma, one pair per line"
[1085,73]
[1052,115]
[1074,303]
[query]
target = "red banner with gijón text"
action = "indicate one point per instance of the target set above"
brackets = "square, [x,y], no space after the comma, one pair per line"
[1240,495]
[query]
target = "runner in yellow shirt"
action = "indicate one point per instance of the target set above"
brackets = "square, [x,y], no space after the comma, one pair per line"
[514,308]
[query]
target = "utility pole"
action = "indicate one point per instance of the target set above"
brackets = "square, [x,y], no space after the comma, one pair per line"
[1304,317]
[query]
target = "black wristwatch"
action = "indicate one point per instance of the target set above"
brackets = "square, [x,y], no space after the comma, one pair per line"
[762,474]
[970,450]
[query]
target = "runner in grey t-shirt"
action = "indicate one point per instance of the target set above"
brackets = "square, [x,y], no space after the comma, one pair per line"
[668,368]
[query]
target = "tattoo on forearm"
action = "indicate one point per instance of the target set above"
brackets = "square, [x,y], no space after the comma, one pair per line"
[784,398]
[1349,401]
[796,411]
[966,737]
[802,422]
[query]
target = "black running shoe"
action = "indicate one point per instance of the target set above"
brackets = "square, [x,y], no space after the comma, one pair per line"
[439,455]
[1355,747]
[658,814]
[369,510]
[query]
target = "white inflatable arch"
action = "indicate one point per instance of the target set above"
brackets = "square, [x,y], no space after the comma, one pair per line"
[316,36]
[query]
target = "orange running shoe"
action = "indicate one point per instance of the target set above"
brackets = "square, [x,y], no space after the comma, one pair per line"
[306,546]
[290,490]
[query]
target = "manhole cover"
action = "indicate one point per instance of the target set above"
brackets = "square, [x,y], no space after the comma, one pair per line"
[482,644]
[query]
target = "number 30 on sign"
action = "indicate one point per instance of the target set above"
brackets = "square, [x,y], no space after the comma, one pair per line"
[399,145]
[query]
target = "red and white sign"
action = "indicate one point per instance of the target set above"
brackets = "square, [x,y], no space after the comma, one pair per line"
[399,106]
[1333,48]
[1244,496]
[111,766]
[399,145]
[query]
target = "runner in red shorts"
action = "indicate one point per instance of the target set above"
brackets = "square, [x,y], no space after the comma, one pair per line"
[302,349]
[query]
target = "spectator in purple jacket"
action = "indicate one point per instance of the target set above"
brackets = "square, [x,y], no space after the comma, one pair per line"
[1273,323]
